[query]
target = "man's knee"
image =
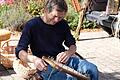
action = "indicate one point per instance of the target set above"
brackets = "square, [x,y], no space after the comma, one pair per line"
[93,68]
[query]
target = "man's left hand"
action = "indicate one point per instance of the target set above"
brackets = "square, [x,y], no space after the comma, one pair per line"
[63,57]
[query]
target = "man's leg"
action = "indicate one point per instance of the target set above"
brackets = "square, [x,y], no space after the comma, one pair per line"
[52,74]
[76,63]
[83,67]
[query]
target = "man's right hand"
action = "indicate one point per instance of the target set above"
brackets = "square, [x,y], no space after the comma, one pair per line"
[40,64]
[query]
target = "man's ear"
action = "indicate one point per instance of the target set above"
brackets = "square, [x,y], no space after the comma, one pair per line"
[46,10]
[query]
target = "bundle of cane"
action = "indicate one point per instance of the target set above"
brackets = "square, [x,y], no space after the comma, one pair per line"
[65,68]
[24,70]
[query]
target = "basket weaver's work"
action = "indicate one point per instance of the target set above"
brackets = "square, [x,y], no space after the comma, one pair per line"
[4,35]
[22,69]
[8,53]
[65,68]
[26,70]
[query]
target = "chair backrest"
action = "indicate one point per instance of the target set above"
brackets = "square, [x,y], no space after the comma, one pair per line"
[97,5]
[110,6]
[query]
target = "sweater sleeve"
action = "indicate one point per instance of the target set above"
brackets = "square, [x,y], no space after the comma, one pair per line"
[24,39]
[69,39]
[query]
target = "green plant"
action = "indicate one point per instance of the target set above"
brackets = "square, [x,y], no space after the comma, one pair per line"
[72,17]
[88,24]
[4,8]
[15,17]
[35,7]
[1,24]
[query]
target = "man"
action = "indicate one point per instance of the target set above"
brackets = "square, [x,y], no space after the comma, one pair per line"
[45,35]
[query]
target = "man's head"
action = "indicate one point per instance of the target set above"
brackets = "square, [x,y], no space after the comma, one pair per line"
[61,4]
[55,11]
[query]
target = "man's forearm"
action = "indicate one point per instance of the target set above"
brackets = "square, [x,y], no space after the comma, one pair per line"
[23,55]
[38,62]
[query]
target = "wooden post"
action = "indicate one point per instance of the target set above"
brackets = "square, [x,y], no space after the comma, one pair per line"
[77,31]
[81,11]
[112,7]
[76,5]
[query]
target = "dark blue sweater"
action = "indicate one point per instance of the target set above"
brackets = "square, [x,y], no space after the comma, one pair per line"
[45,39]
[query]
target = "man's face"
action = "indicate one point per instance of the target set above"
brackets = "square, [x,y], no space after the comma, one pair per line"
[54,16]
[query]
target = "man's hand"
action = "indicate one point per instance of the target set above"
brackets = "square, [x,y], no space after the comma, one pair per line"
[40,64]
[63,57]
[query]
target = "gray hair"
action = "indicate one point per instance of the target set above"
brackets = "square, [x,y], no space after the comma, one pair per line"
[61,4]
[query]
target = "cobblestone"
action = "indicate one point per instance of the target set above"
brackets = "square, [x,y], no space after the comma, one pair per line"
[103,51]
[99,49]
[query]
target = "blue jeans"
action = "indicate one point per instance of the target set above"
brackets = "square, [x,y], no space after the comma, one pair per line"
[76,63]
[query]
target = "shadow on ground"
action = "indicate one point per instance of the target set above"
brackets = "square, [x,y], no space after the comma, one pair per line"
[109,76]
[93,38]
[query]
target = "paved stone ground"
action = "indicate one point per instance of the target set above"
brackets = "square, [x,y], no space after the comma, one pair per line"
[103,51]
[99,49]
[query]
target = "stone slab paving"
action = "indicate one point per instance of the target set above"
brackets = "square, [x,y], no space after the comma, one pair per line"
[97,48]
[103,51]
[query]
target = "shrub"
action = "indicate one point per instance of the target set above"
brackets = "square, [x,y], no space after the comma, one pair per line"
[35,7]
[4,8]
[72,16]
[1,24]
[88,24]
[15,17]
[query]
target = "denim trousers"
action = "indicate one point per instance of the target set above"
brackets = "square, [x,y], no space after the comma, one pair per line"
[80,65]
